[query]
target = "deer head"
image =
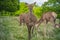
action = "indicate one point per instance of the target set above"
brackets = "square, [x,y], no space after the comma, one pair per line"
[30,6]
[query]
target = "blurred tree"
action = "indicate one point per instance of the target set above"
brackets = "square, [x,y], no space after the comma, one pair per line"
[52,6]
[9,5]
[37,11]
[22,9]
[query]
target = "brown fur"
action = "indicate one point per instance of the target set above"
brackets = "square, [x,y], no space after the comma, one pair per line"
[22,19]
[48,17]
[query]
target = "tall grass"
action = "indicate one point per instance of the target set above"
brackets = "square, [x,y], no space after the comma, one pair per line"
[11,30]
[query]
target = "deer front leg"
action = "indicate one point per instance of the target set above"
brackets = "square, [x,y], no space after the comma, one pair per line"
[29,33]
[33,28]
[44,30]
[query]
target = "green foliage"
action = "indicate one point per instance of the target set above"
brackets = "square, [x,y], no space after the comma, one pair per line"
[23,9]
[37,11]
[52,6]
[9,5]
[11,30]
[6,13]
[57,33]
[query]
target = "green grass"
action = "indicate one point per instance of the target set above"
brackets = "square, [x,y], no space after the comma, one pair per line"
[11,30]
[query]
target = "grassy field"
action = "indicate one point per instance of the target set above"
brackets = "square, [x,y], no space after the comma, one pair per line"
[11,30]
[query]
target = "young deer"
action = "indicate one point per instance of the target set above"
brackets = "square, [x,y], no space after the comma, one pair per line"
[29,19]
[47,17]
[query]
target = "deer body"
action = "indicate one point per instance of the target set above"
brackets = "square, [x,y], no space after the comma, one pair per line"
[48,17]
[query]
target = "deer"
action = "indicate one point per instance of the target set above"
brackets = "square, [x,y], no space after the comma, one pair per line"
[29,19]
[47,17]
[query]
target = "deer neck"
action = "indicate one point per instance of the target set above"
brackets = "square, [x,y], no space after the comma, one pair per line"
[30,11]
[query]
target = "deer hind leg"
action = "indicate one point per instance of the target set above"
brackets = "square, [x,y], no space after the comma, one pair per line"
[32,29]
[29,32]
[44,30]
[53,21]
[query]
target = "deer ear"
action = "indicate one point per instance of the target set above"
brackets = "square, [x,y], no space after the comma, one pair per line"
[26,3]
[34,3]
